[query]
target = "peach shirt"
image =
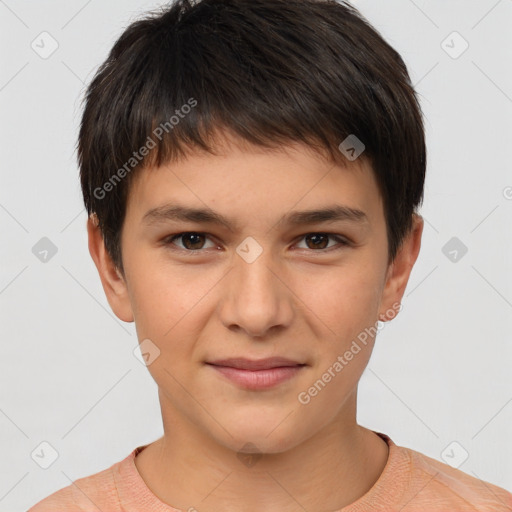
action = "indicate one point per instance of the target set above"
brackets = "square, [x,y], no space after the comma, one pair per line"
[410,482]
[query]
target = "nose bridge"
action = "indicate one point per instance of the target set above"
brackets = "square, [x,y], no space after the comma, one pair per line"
[258,299]
[254,273]
[258,275]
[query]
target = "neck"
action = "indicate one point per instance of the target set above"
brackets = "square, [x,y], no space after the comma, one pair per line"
[188,470]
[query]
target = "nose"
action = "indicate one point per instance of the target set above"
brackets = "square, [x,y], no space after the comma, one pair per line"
[257,296]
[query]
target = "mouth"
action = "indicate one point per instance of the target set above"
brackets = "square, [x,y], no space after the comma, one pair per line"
[242,363]
[257,374]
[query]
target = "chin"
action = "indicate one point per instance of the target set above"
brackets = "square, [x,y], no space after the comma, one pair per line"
[260,433]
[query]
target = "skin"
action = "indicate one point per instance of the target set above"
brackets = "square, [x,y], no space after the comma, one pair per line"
[295,300]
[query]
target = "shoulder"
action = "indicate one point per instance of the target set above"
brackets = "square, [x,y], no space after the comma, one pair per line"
[87,494]
[432,482]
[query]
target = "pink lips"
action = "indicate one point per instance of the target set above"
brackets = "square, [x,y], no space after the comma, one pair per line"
[257,374]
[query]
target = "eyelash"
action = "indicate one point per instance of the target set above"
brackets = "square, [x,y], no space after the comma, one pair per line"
[343,242]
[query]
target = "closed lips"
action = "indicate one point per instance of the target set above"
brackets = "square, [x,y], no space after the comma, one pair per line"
[255,364]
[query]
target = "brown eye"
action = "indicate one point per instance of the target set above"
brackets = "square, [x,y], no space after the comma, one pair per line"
[191,241]
[319,241]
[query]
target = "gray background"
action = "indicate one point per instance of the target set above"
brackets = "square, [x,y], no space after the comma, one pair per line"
[440,371]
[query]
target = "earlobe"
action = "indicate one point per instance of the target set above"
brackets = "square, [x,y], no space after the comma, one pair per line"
[114,284]
[399,271]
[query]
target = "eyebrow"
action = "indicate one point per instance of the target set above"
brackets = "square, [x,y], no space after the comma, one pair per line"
[175,212]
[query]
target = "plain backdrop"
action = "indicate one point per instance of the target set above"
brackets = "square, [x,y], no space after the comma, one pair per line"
[439,380]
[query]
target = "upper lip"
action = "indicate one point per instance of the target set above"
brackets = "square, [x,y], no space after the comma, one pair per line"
[255,364]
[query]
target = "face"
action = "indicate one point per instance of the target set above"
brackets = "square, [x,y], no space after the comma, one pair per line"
[265,282]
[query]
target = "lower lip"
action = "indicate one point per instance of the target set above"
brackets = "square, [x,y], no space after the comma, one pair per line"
[258,379]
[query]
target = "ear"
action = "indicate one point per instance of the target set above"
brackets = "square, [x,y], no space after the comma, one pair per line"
[113,282]
[399,271]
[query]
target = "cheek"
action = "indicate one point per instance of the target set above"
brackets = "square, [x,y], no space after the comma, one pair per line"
[160,293]
[163,306]
[169,306]
[348,310]
[343,300]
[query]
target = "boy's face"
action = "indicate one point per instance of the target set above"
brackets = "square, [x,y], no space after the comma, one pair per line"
[261,289]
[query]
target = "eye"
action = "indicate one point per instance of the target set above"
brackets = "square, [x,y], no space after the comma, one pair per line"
[317,241]
[191,240]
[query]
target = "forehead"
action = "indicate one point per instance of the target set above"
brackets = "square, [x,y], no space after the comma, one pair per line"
[247,180]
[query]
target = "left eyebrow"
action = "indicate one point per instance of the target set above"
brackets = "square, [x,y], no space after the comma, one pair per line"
[175,212]
[329,214]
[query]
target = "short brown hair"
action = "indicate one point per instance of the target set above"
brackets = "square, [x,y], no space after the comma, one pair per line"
[269,71]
